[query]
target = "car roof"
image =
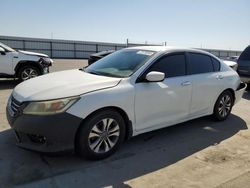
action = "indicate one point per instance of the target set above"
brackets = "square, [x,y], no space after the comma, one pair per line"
[169,49]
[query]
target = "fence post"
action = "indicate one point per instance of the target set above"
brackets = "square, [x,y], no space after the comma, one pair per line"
[51,50]
[74,50]
[96,48]
[24,48]
[115,47]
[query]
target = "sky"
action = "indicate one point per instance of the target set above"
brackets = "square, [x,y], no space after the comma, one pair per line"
[218,24]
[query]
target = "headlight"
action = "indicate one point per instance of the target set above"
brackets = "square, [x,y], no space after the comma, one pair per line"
[49,107]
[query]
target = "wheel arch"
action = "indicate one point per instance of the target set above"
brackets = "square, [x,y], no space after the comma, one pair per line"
[128,122]
[21,64]
[228,89]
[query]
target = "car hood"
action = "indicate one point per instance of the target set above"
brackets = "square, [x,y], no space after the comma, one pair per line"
[33,53]
[61,84]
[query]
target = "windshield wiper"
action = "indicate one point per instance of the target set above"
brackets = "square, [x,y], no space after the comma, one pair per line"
[111,75]
[92,72]
[102,73]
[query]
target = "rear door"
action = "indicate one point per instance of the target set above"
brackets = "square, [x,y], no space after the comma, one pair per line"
[6,64]
[205,76]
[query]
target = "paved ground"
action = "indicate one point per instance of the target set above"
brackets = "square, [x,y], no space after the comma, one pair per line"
[199,153]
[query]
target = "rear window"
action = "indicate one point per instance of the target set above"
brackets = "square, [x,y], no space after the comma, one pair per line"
[245,55]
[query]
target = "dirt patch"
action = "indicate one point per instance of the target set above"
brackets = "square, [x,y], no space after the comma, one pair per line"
[216,156]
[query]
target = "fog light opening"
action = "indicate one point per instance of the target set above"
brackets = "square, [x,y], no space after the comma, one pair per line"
[37,139]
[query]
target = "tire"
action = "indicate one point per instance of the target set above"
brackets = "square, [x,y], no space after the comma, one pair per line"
[223,106]
[248,87]
[100,135]
[28,72]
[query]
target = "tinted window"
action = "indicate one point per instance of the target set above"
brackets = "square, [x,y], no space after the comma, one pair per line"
[216,64]
[199,63]
[172,65]
[245,55]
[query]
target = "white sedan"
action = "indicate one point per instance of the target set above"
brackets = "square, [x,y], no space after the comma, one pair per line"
[129,92]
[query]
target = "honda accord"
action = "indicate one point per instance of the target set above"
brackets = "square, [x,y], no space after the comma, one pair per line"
[130,92]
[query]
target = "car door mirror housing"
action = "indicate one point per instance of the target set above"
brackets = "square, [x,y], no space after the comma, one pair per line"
[155,76]
[2,51]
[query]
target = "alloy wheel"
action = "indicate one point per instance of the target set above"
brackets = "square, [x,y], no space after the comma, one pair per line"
[225,106]
[28,73]
[104,135]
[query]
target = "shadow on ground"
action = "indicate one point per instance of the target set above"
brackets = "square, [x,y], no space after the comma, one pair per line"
[8,83]
[139,156]
[246,95]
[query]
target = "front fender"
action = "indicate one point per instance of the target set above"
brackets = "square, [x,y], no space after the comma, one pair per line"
[24,63]
[119,97]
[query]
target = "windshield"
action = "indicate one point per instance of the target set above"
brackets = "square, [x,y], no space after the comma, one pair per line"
[121,64]
[6,47]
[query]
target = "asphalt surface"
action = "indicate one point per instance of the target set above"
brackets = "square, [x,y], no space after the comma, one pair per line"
[198,153]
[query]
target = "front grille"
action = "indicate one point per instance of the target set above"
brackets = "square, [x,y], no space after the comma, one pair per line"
[15,106]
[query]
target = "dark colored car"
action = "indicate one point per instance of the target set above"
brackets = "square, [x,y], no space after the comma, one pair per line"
[244,66]
[95,57]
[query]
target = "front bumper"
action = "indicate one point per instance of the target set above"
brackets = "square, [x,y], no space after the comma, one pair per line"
[45,64]
[47,134]
[45,70]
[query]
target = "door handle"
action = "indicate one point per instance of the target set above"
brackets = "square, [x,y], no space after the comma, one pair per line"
[219,77]
[187,83]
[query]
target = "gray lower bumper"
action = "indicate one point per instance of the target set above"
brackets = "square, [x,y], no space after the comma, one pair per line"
[54,133]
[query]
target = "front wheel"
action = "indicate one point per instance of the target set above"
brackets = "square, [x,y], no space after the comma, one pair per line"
[223,106]
[100,135]
[28,72]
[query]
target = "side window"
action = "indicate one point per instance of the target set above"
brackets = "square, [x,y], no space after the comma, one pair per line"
[216,64]
[199,63]
[171,65]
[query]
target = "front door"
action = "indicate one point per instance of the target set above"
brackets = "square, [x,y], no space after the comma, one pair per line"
[159,104]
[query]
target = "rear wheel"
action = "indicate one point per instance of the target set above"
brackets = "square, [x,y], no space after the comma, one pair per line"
[223,106]
[28,72]
[100,135]
[248,87]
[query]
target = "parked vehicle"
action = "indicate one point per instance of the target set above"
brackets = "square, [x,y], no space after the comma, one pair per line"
[95,57]
[22,64]
[232,58]
[127,93]
[231,64]
[244,66]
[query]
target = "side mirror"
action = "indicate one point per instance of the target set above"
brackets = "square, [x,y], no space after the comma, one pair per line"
[2,51]
[155,76]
